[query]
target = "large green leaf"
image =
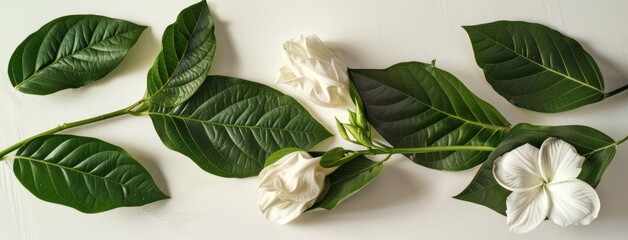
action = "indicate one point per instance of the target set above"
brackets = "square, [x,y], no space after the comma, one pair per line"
[348,179]
[83,173]
[188,47]
[230,126]
[597,147]
[535,67]
[416,105]
[71,52]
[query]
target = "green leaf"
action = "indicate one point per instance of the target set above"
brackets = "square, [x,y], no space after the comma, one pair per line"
[535,67]
[279,154]
[415,104]
[597,147]
[83,173]
[348,179]
[230,126]
[71,52]
[332,155]
[188,47]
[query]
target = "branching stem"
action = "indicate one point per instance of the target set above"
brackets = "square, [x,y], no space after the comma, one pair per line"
[389,151]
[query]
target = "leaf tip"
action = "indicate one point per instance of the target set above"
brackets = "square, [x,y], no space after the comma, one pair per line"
[458,197]
[163,196]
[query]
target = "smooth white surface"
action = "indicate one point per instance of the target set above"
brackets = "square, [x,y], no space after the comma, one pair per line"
[406,202]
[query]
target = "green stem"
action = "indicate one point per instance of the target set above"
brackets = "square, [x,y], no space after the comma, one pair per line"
[616,91]
[377,151]
[606,147]
[65,126]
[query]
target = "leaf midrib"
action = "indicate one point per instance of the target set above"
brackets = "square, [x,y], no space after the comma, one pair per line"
[593,151]
[357,173]
[227,125]
[538,64]
[82,173]
[35,74]
[484,125]
[187,44]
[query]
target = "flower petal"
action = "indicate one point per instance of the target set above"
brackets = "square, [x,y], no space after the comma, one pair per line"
[518,169]
[300,188]
[290,185]
[320,81]
[573,203]
[285,75]
[268,200]
[340,72]
[317,71]
[295,46]
[526,209]
[281,212]
[338,53]
[316,48]
[559,160]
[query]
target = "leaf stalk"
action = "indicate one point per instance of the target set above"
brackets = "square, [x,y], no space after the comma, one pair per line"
[616,91]
[69,125]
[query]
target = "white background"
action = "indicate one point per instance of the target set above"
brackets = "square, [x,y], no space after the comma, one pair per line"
[406,202]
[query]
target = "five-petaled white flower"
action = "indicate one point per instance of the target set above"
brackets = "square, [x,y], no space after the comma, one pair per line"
[290,186]
[544,184]
[317,71]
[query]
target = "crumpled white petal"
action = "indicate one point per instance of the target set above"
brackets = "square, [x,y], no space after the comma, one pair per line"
[559,160]
[574,202]
[518,169]
[299,188]
[526,210]
[317,71]
[290,186]
[279,211]
[315,48]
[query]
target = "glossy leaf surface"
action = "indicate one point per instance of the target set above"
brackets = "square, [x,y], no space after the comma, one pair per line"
[71,52]
[188,47]
[348,179]
[597,147]
[535,67]
[83,173]
[230,126]
[415,104]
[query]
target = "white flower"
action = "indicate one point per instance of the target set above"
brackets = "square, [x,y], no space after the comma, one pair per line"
[317,71]
[290,186]
[544,184]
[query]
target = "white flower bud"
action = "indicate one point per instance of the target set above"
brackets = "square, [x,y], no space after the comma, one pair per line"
[317,71]
[290,186]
